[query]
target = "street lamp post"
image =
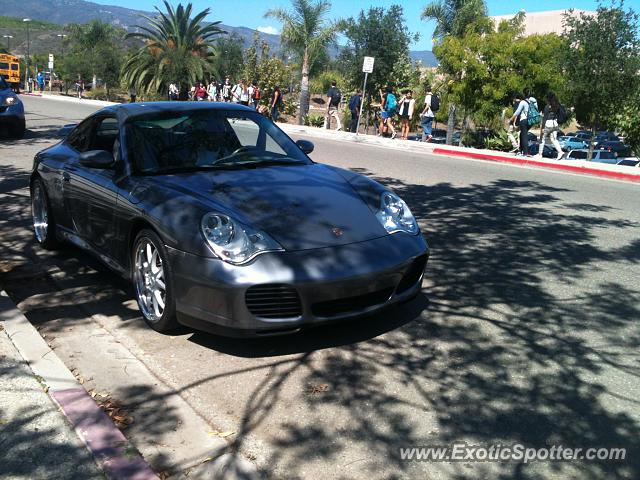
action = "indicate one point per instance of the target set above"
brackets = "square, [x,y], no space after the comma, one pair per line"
[8,37]
[26,69]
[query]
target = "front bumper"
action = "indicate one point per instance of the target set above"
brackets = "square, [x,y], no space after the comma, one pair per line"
[330,284]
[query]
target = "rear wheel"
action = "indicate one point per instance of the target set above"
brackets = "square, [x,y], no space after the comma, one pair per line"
[151,273]
[44,225]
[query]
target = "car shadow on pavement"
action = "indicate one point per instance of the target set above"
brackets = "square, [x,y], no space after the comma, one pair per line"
[517,343]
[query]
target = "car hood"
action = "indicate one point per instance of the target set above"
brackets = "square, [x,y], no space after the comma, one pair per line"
[302,207]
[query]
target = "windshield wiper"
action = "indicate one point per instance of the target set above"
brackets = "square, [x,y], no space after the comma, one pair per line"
[262,162]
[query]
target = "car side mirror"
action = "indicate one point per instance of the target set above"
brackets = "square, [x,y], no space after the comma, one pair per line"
[66,130]
[97,159]
[306,146]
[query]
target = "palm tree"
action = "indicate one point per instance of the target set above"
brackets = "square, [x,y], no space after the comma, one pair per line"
[306,32]
[453,17]
[176,49]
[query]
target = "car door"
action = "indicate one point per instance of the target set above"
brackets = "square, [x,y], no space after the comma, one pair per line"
[89,193]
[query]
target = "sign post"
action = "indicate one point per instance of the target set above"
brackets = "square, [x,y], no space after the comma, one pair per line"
[367,68]
[50,70]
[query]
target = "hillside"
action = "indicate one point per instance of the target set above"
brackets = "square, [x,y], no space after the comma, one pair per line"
[49,15]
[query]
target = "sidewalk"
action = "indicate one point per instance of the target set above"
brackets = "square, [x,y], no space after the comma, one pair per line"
[41,404]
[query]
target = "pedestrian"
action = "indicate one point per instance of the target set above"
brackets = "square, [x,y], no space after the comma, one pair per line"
[519,119]
[257,95]
[236,91]
[173,92]
[389,106]
[212,90]
[79,87]
[407,105]
[334,96]
[132,94]
[226,90]
[552,112]
[275,102]
[40,81]
[355,104]
[200,93]
[245,96]
[427,115]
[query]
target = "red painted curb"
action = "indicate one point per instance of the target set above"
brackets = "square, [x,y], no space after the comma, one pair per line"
[104,440]
[521,161]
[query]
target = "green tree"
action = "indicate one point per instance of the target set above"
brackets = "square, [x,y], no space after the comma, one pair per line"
[453,18]
[601,57]
[485,70]
[98,42]
[177,48]
[250,70]
[227,57]
[379,33]
[306,32]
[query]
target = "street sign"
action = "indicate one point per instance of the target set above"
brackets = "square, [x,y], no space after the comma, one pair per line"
[50,57]
[367,65]
[50,65]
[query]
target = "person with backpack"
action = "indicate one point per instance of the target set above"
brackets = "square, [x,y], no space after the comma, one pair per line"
[389,106]
[407,106]
[520,119]
[334,96]
[355,104]
[275,102]
[226,90]
[257,95]
[554,115]
[431,106]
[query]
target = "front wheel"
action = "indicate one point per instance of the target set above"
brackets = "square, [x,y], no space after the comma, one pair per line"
[151,273]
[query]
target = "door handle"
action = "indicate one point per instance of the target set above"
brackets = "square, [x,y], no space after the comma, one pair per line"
[66,177]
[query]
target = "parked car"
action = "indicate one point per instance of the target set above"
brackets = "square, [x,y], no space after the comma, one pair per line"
[11,111]
[628,162]
[439,136]
[600,156]
[222,222]
[547,152]
[616,146]
[568,143]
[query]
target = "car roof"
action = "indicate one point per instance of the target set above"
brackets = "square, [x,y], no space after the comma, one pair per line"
[126,111]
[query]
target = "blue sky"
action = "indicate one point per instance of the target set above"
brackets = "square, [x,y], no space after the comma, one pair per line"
[249,13]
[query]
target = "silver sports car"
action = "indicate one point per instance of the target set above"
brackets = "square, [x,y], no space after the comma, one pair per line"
[222,222]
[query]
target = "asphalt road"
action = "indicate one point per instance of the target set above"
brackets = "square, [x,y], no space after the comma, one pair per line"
[526,331]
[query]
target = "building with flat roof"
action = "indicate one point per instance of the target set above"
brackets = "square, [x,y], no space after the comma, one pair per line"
[539,23]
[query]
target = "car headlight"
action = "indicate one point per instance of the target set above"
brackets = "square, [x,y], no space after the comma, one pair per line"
[395,216]
[233,242]
[10,100]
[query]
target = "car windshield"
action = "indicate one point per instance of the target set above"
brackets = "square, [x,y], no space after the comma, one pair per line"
[174,142]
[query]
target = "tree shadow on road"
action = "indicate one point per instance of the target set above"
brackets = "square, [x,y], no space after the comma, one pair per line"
[526,338]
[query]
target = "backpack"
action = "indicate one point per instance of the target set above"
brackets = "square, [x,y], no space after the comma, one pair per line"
[392,103]
[533,117]
[336,98]
[257,95]
[355,99]
[561,115]
[435,103]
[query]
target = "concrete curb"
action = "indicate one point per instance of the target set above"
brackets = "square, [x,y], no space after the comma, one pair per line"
[576,166]
[104,440]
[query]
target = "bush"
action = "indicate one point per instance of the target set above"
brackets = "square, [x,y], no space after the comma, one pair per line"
[289,106]
[322,83]
[314,120]
[499,141]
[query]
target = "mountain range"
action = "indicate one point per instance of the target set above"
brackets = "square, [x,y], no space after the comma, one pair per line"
[80,11]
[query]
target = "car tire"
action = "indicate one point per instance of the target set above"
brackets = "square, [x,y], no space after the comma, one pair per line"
[153,282]
[18,130]
[44,225]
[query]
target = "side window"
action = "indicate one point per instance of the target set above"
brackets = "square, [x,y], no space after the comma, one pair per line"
[79,137]
[105,134]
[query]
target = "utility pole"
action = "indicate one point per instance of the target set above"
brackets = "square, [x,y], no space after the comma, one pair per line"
[8,37]
[26,60]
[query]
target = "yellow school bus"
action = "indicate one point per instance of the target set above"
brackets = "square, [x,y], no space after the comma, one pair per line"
[10,69]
